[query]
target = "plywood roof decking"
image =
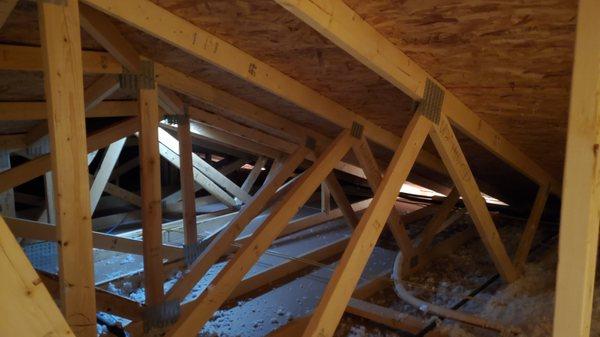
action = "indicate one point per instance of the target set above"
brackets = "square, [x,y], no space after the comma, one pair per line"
[508,61]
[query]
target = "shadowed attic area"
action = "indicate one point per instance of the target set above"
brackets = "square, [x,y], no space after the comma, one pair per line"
[298,168]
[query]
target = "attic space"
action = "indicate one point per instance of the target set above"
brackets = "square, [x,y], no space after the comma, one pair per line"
[299,168]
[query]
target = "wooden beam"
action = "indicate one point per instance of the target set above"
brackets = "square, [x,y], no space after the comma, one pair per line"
[434,225]
[186,174]
[221,243]
[13,142]
[30,59]
[325,198]
[38,166]
[386,316]
[20,111]
[247,134]
[101,179]
[242,110]
[254,173]
[105,301]
[344,27]
[36,230]
[274,273]
[63,83]
[151,193]
[373,174]
[210,134]
[297,225]
[102,29]
[143,14]
[225,282]
[36,133]
[210,172]
[333,185]
[442,249]
[370,287]
[252,134]
[339,289]
[447,145]
[531,227]
[125,167]
[101,89]
[104,32]
[580,210]
[227,169]
[123,194]
[32,311]
[211,187]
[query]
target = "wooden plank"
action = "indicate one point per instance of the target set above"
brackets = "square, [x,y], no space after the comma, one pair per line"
[312,220]
[373,174]
[38,166]
[341,200]
[213,135]
[105,301]
[13,142]
[32,311]
[123,194]
[220,244]
[370,287]
[447,145]
[6,7]
[36,230]
[240,130]
[63,83]
[143,14]
[21,111]
[345,277]
[227,169]
[102,88]
[101,179]
[36,133]
[125,167]
[225,282]
[272,274]
[50,212]
[325,198]
[210,172]
[580,210]
[254,173]
[30,59]
[104,32]
[344,27]
[186,174]
[433,226]
[386,316]
[243,110]
[442,249]
[531,227]
[151,195]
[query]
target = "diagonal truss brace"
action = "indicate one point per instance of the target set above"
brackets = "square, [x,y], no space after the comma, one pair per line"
[339,290]
[447,145]
[224,284]
[346,275]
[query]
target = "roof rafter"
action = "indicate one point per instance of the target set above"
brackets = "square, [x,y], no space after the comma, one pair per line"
[345,28]
[176,31]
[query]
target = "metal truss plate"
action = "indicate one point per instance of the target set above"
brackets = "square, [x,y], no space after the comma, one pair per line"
[431,104]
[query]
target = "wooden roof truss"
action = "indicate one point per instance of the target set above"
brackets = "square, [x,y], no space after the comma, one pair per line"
[262,133]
